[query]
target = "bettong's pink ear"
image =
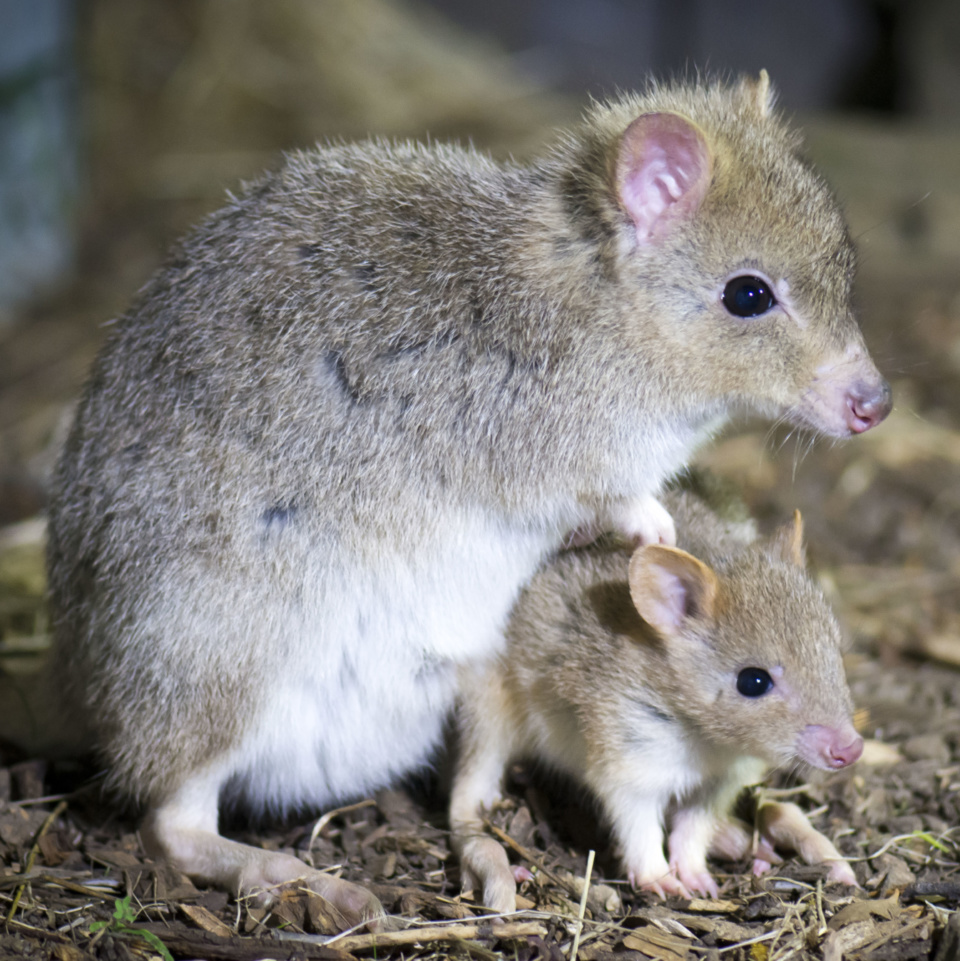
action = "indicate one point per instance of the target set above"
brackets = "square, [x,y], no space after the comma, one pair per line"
[668,585]
[663,172]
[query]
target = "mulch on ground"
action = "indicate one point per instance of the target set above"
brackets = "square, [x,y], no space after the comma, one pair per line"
[75,886]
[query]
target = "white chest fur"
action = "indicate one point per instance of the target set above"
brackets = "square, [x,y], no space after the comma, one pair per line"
[370,678]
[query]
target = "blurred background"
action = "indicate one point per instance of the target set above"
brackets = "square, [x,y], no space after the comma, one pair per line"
[124,121]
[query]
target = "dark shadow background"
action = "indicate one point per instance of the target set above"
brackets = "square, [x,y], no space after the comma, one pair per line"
[878,55]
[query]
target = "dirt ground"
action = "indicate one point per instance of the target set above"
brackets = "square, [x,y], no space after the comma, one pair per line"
[882,517]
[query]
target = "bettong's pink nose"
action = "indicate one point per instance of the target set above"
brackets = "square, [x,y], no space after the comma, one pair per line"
[842,755]
[830,747]
[868,405]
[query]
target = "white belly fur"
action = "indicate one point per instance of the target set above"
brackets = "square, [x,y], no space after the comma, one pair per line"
[364,695]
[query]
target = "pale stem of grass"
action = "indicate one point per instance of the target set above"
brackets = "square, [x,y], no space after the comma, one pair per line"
[583,907]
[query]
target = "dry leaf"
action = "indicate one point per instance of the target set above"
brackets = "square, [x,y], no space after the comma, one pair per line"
[862,910]
[118,859]
[896,872]
[50,848]
[171,884]
[600,897]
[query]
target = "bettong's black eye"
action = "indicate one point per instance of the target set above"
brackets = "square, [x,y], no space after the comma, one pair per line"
[748,296]
[754,682]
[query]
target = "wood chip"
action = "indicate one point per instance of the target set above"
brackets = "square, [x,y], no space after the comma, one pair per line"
[657,944]
[950,941]
[877,754]
[942,647]
[321,916]
[204,919]
[839,943]
[724,930]
[709,906]
[67,952]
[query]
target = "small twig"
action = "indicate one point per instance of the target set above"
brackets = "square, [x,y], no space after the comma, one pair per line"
[742,944]
[439,932]
[583,907]
[822,926]
[76,922]
[787,920]
[792,883]
[34,851]
[105,892]
[601,930]
[29,802]
[102,888]
[913,836]
[764,793]
[528,855]
[45,932]
[943,889]
[325,819]
[92,943]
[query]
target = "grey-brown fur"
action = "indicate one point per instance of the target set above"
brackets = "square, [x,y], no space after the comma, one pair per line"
[575,634]
[651,718]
